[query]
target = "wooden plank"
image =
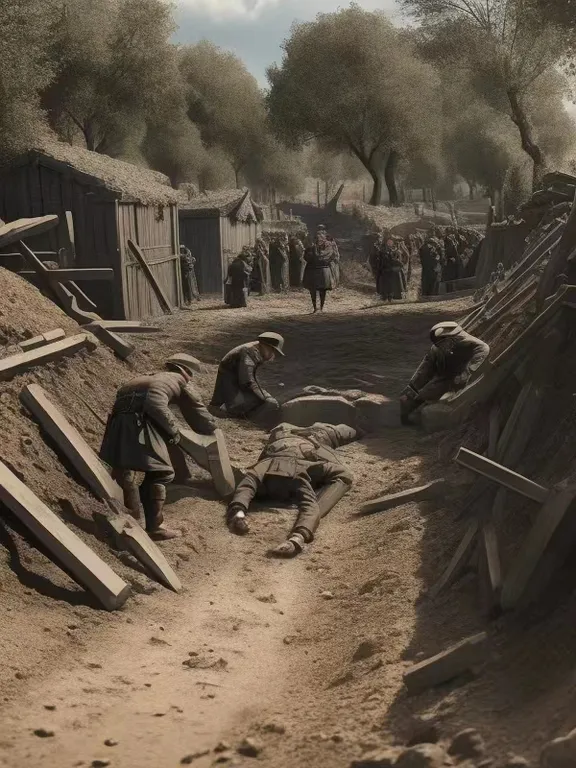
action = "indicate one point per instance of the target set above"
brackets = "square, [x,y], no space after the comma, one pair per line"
[14,231]
[125,326]
[422,493]
[210,453]
[501,475]
[154,284]
[16,364]
[85,303]
[69,304]
[65,275]
[448,664]
[459,560]
[71,443]
[137,541]
[68,550]
[545,533]
[490,553]
[71,236]
[41,341]
[121,348]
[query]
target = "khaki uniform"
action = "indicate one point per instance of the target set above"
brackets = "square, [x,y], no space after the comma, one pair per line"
[294,464]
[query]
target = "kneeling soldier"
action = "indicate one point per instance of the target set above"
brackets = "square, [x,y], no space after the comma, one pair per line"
[142,428]
[296,463]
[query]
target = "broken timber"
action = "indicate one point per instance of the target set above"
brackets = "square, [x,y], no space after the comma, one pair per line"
[69,550]
[66,275]
[148,274]
[122,349]
[448,664]
[459,560]
[423,493]
[501,475]
[40,341]
[71,443]
[137,541]
[125,326]
[16,230]
[16,364]
[210,453]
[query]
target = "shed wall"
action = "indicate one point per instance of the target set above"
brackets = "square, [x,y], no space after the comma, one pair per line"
[202,237]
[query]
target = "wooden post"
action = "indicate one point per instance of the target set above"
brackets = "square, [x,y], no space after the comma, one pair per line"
[154,284]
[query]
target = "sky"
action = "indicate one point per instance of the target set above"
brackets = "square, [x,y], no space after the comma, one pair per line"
[254,29]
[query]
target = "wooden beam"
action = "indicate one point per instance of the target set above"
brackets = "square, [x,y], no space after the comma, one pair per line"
[69,304]
[85,303]
[125,326]
[551,537]
[93,274]
[459,561]
[14,231]
[70,443]
[16,364]
[210,453]
[154,284]
[136,540]
[122,349]
[423,493]
[489,552]
[501,475]
[68,550]
[447,665]
[41,341]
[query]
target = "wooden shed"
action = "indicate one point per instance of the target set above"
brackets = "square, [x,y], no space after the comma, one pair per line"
[111,201]
[216,226]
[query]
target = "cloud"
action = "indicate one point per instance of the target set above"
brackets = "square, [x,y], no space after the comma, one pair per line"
[226,9]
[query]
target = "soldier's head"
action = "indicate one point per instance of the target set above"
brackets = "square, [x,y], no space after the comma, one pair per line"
[271,345]
[184,364]
[443,335]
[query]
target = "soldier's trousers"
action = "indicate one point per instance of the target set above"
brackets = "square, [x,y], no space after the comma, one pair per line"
[298,489]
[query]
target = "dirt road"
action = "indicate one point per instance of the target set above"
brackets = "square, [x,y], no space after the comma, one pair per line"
[304,657]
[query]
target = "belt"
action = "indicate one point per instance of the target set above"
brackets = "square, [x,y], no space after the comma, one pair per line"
[131,402]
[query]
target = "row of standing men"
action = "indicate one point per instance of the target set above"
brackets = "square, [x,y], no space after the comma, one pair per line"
[285,262]
[445,256]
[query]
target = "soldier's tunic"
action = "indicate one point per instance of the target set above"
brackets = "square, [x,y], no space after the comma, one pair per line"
[189,282]
[335,263]
[238,280]
[297,263]
[391,281]
[237,387]
[318,275]
[430,259]
[436,373]
[141,423]
[294,464]
[262,266]
[279,265]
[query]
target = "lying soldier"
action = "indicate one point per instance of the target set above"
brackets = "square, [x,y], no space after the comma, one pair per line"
[141,431]
[451,363]
[297,464]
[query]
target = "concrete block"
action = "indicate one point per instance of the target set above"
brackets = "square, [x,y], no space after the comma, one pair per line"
[305,411]
[423,493]
[448,664]
[137,541]
[16,364]
[71,443]
[68,550]
[211,453]
[436,417]
[41,341]
[377,412]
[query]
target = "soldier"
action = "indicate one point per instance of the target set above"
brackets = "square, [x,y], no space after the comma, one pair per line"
[295,464]
[262,265]
[431,260]
[238,279]
[391,283]
[335,263]
[297,263]
[451,363]
[318,275]
[189,283]
[140,431]
[279,263]
[237,392]
[451,270]
[375,252]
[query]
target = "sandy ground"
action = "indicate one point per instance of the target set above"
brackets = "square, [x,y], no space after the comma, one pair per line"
[305,657]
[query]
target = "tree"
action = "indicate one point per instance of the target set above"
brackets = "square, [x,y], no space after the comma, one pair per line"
[225,102]
[506,45]
[25,70]
[276,169]
[114,61]
[354,83]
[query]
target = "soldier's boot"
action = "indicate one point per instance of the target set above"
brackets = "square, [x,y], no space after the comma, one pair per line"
[292,547]
[127,481]
[153,497]
[236,519]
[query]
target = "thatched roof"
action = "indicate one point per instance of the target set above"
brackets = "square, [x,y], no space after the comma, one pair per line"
[236,204]
[129,182]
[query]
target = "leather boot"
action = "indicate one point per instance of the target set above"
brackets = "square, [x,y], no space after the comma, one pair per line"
[153,496]
[127,481]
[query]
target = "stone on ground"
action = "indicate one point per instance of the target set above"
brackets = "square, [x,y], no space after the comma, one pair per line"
[422,756]
[467,744]
[305,411]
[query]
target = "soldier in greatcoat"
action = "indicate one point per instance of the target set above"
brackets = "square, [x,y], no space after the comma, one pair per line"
[238,279]
[297,262]
[237,392]
[300,465]
[262,266]
[141,431]
[189,282]
[279,263]
[452,362]
[318,275]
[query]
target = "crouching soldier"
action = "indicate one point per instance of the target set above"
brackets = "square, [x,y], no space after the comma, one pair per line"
[237,392]
[299,465]
[451,363]
[141,431]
